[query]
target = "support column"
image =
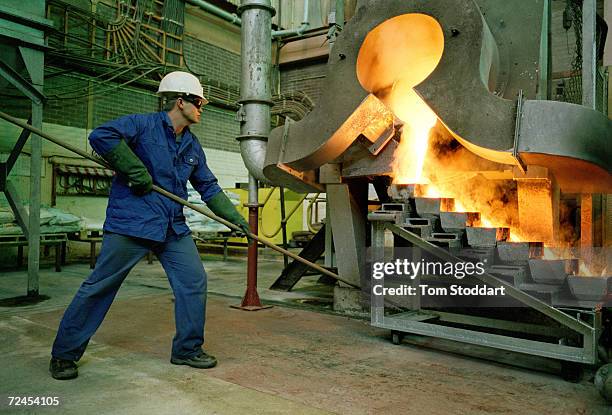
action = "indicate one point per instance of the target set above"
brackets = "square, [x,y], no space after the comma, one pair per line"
[377,303]
[34,62]
[348,224]
[589,57]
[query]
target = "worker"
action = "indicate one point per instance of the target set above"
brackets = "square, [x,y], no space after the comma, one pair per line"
[147,149]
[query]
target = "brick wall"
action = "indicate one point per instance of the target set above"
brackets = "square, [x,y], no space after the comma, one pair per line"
[68,104]
[70,112]
[307,77]
[118,102]
[212,62]
[218,129]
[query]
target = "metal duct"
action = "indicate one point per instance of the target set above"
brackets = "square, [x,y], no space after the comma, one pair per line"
[256,96]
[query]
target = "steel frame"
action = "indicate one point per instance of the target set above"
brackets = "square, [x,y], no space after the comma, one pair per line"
[586,323]
[29,44]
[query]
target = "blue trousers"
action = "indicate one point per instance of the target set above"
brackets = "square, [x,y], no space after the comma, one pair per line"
[118,255]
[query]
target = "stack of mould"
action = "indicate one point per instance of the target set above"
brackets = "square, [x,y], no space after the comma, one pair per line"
[52,220]
[197,222]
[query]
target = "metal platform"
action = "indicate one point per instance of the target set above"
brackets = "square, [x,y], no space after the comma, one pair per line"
[566,334]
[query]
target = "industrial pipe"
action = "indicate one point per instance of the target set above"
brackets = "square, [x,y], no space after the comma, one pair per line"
[255,89]
[254,115]
[230,17]
[300,30]
[235,20]
[175,198]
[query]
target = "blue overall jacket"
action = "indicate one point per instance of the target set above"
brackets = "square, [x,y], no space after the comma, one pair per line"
[152,138]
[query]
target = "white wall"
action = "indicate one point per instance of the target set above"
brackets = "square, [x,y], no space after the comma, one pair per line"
[228,167]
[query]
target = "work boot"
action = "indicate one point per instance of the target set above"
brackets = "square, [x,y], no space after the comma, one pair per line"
[63,369]
[200,361]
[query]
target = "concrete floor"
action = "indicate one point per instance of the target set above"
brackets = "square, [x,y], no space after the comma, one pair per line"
[284,360]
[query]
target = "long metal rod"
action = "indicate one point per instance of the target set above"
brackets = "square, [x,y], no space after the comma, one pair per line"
[177,199]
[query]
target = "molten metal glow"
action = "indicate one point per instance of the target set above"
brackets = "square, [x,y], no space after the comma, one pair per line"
[395,56]
[410,155]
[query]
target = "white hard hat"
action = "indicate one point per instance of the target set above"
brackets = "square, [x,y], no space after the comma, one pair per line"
[182,83]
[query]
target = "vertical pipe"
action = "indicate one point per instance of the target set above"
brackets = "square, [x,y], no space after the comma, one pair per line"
[255,102]
[255,86]
[589,63]
[339,13]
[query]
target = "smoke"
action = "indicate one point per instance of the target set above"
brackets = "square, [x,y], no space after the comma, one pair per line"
[451,171]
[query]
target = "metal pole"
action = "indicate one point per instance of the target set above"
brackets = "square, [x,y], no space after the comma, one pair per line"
[589,56]
[175,198]
[283,223]
[251,301]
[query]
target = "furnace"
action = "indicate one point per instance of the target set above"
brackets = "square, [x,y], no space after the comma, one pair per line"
[445,112]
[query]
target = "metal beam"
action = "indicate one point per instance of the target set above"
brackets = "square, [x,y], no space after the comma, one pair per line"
[295,271]
[348,221]
[34,62]
[21,141]
[589,55]
[21,83]
[544,84]
[26,19]
[15,202]
[556,351]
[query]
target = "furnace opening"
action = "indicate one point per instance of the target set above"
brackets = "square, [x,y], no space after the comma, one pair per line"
[394,57]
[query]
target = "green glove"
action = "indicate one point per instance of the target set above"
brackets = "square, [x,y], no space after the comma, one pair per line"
[222,206]
[123,159]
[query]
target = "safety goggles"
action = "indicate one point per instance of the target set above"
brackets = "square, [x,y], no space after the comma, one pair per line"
[195,101]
